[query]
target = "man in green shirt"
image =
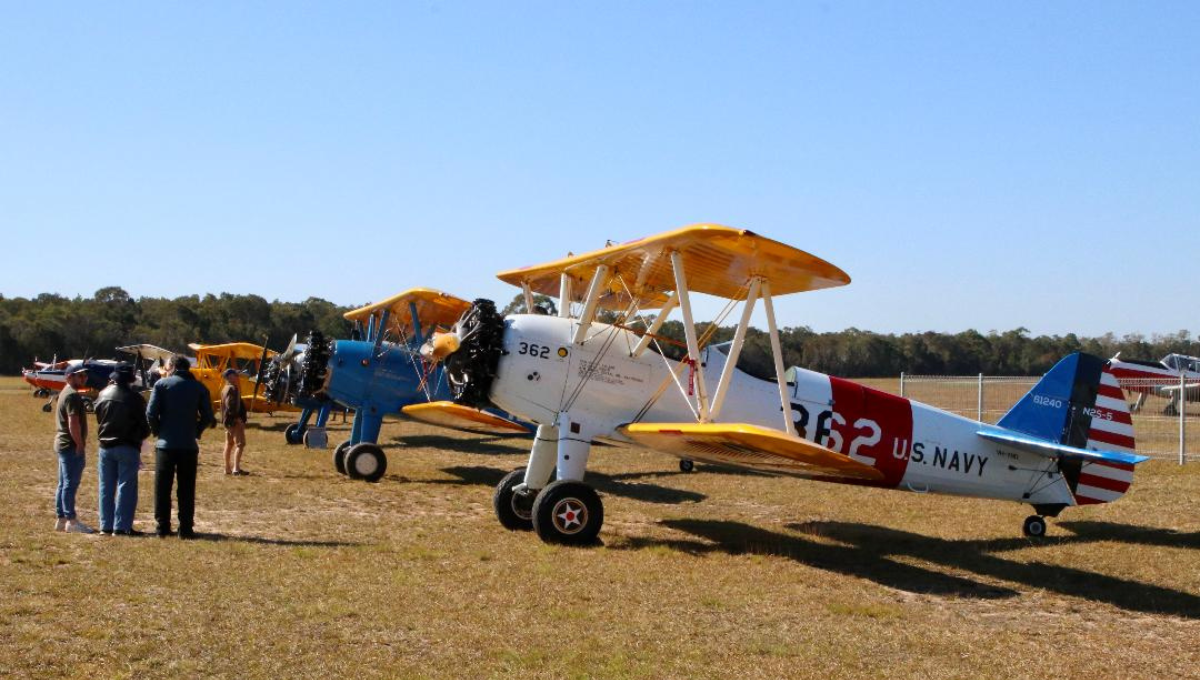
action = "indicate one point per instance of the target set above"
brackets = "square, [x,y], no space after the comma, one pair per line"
[70,441]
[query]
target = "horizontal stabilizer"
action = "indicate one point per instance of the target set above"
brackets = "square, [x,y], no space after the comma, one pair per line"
[459,417]
[1055,450]
[748,445]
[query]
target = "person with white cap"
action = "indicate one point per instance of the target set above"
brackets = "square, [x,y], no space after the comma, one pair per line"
[70,443]
[233,417]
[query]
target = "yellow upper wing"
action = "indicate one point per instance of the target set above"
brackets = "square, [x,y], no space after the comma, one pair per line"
[718,260]
[750,446]
[233,350]
[433,307]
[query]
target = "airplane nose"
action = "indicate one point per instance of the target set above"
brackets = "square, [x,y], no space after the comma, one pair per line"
[441,346]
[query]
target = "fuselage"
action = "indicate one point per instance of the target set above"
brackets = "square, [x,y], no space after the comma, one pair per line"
[917,448]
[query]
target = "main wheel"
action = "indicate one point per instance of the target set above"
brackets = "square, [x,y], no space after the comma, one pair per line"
[365,461]
[514,510]
[294,434]
[686,465]
[41,393]
[569,513]
[1035,526]
[339,457]
[89,405]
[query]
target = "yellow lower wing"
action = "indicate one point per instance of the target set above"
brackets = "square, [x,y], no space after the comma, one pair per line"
[449,414]
[748,445]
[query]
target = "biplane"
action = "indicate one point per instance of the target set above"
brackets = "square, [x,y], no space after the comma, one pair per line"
[381,372]
[48,378]
[1174,376]
[245,358]
[1068,442]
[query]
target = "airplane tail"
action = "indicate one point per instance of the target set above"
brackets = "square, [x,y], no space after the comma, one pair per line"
[1079,404]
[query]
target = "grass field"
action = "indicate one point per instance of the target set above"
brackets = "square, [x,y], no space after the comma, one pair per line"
[709,575]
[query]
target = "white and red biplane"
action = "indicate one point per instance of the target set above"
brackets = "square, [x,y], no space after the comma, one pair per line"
[1176,374]
[1068,442]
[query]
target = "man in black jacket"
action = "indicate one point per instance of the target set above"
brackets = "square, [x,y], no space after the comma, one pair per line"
[121,417]
[180,409]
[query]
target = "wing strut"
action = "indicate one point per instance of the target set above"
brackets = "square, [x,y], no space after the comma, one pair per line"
[599,282]
[735,349]
[663,313]
[777,352]
[685,304]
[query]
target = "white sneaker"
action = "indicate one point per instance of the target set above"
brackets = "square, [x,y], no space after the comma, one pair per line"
[77,527]
[60,524]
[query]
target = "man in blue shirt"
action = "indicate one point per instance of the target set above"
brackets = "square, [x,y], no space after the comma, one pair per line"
[180,410]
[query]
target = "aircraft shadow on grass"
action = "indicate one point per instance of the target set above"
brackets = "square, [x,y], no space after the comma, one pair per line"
[869,552]
[259,540]
[478,444]
[647,493]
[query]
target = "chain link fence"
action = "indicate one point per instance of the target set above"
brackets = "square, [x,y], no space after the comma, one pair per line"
[1161,428]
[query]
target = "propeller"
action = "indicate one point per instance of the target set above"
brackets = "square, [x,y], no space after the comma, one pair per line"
[262,370]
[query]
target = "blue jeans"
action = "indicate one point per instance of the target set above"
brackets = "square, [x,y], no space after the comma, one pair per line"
[70,469]
[118,487]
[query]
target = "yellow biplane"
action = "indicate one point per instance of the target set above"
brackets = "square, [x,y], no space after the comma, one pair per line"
[245,358]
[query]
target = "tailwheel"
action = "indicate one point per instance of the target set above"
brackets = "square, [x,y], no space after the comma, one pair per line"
[339,457]
[294,434]
[569,513]
[687,465]
[365,461]
[1035,526]
[514,510]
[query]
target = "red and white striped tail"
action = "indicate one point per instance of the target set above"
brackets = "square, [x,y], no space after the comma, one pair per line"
[1103,482]
[1112,430]
[1112,424]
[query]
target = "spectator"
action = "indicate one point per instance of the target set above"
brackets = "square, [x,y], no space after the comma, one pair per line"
[121,429]
[180,410]
[70,441]
[233,417]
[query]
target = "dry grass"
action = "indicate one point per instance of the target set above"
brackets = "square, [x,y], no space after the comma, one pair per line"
[707,575]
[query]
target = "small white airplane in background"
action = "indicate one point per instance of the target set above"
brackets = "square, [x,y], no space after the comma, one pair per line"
[1068,442]
[1161,379]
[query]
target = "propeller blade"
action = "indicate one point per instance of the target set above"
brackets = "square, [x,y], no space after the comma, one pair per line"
[262,370]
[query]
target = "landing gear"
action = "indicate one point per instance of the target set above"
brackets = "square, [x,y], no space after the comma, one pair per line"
[89,405]
[514,510]
[686,465]
[47,407]
[339,457]
[294,434]
[1035,526]
[41,393]
[568,513]
[365,461]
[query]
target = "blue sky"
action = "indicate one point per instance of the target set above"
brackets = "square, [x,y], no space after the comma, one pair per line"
[970,165]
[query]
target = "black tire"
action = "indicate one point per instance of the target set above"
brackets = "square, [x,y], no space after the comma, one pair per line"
[1035,526]
[89,405]
[568,513]
[514,511]
[687,465]
[294,434]
[41,393]
[366,462]
[47,407]
[339,457]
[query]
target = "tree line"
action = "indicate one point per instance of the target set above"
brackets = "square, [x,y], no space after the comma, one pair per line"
[53,325]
